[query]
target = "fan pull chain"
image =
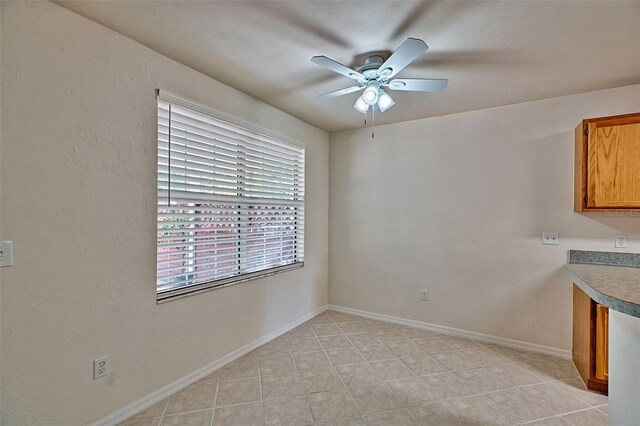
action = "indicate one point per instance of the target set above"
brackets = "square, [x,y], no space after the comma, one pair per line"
[373,122]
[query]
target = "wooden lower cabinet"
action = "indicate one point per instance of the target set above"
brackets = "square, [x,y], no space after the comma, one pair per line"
[591,341]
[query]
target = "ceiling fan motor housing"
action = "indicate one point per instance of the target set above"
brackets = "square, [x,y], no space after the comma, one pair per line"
[371,66]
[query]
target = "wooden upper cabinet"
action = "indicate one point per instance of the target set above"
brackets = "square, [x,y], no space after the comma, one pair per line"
[607,164]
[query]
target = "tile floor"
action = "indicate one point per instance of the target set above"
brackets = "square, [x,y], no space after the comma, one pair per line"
[339,369]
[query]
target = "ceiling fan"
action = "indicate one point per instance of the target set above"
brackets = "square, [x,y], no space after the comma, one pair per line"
[377,74]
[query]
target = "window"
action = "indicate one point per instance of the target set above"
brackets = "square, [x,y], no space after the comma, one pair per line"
[230,201]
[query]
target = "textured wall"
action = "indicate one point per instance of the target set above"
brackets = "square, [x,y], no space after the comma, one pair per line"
[457,205]
[78,199]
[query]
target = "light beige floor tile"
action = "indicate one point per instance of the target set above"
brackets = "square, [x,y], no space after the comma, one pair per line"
[425,364]
[591,417]
[392,369]
[374,398]
[376,352]
[395,418]
[292,411]
[342,317]
[283,363]
[239,415]
[297,374]
[345,356]
[514,354]
[515,375]
[312,360]
[210,378]
[323,318]
[550,369]
[352,327]
[332,405]
[326,329]
[418,333]
[437,414]
[335,342]
[356,421]
[301,332]
[374,325]
[485,357]
[198,396]
[154,421]
[281,385]
[240,368]
[406,330]
[390,336]
[456,360]
[604,409]
[357,374]
[551,421]
[520,406]
[276,347]
[449,385]
[460,342]
[432,346]
[321,380]
[198,418]
[362,339]
[414,391]
[405,348]
[482,379]
[304,344]
[481,410]
[156,410]
[555,396]
[576,388]
[238,391]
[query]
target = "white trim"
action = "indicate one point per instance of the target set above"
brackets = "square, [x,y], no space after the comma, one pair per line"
[142,404]
[517,344]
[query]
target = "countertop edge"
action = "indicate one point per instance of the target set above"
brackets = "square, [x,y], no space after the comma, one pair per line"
[628,308]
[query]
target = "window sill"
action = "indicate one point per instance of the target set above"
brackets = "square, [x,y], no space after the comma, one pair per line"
[180,293]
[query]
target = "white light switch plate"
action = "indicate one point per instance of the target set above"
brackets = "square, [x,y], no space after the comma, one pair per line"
[6,253]
[550,238]
[621,240]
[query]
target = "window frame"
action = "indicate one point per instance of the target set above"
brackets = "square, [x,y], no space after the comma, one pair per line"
[240,277]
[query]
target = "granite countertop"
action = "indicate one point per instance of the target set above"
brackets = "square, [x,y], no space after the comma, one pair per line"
[611,279]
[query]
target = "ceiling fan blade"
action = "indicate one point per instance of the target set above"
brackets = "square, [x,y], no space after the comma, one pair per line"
[340,92]
[406,53]
[418,84]
[323,61]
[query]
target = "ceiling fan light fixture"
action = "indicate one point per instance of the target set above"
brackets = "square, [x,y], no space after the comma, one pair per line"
[384,101]
[361,105]
[370,95]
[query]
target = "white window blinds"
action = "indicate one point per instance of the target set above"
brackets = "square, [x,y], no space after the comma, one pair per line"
[230,201]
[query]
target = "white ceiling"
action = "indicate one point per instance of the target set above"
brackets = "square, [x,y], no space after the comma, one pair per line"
[493,53]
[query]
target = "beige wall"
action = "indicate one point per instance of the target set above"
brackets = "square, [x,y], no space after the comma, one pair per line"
[78,199]
[457,205]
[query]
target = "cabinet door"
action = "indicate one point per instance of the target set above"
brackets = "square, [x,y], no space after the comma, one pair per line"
[614,163]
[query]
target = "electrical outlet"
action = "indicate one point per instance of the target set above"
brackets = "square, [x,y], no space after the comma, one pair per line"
[550,238]
[100,367]
[6,253]
[621,240]
[424,295]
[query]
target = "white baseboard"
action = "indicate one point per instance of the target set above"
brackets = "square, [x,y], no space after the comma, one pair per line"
[142,404]
[517,344]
